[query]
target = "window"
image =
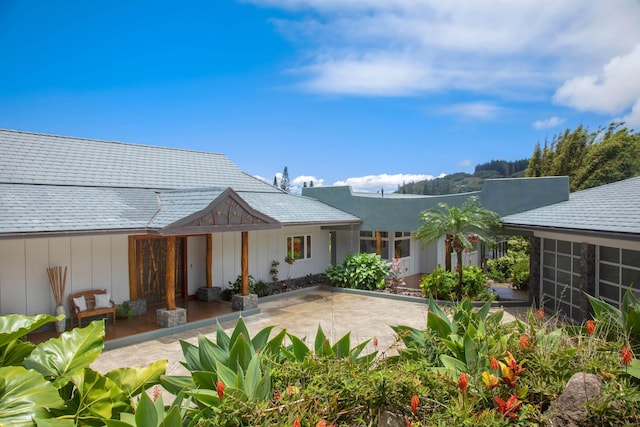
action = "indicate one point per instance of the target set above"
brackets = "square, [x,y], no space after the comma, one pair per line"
[618,270]
[299,247]
[368,243]
[561,276]
[402,244]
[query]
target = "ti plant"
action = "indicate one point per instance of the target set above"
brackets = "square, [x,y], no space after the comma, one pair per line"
[51,383]
[626,319]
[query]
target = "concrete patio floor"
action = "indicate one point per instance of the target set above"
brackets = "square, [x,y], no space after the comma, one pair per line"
[300,314]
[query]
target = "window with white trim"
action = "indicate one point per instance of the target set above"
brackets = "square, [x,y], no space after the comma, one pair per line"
[299,247]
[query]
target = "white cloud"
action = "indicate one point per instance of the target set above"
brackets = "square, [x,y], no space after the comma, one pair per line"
[547,123]
[615,90]
[464,163]
[406,47]
[374,183]
[475,110]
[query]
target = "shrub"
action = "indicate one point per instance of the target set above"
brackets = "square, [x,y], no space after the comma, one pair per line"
[359,271]
[442,284]
[258,287]
[514,266]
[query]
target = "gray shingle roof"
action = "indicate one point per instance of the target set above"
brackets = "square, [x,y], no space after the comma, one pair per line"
[53,184]
[32,158]
[611,208]
[292,209]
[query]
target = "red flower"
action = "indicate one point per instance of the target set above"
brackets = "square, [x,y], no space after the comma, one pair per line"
[375,341]
[407,421]
[463,382]
[296,423]
[627,355]
[220,389]
[508,408]
[590,326]
[494,364]
[321,423]
[540,313]
[415,401]
[524,341]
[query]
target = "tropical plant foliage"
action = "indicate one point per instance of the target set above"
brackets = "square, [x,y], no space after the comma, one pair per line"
[442,284]
[359,271]
[467,367]
[513,267]
[589,158]
[460,226]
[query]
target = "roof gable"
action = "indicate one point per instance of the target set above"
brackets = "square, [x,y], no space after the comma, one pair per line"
[227,212]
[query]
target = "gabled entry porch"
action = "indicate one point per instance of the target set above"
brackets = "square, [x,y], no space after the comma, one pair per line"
[158,271]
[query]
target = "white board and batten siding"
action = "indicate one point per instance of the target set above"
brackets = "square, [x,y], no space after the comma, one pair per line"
[101,262]
[93,262]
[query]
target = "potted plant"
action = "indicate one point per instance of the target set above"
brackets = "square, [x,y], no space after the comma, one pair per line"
[123,311]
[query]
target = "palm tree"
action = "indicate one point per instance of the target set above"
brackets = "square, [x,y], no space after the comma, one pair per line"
[461,227]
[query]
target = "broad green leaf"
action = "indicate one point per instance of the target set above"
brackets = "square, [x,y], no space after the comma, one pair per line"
[274,346]
[470,352]
[15,326]
[495,318]
[226,375]
[205,379]
[342,348]
[24,395]
[411,337]
[191,355]
[484,310]
[321,343]
[14,353]
[133,381]
[174,384]
[240,330]
[209,352]
[146,412]
[603,309]
[59,358]
[55,422]
[444,326]
[261,338]
[252,377]
[355,351]
[300,349]
[95,395]
[241,353]
[208,398]
[634,368]
[222,339]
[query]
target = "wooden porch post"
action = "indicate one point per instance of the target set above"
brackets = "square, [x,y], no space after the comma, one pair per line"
[133,283]
[209,261]
[378,243]
[245,263]
[171,273]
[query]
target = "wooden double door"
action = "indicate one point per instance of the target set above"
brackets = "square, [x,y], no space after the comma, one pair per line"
[151,257]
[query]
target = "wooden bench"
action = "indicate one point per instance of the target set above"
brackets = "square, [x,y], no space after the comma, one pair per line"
[90,300]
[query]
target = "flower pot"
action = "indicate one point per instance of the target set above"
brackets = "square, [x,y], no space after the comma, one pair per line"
[61,325]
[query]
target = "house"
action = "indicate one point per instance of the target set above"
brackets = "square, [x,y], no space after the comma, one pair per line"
[589,243]
[146,223]
[388,220]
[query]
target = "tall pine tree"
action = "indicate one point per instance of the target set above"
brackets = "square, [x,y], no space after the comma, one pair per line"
[284,182]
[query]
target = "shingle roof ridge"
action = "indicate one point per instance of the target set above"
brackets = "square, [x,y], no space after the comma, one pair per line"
[110,141]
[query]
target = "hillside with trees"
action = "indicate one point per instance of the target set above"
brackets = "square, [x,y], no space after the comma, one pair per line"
[589,158]
[462,182]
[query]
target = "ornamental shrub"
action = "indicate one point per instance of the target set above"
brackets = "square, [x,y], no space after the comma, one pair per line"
[359,271]
[442,284]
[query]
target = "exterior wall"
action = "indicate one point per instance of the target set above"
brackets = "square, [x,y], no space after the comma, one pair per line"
[93,262]
[196,263]
[571,265]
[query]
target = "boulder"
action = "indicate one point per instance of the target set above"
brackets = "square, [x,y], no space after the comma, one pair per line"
[570,409]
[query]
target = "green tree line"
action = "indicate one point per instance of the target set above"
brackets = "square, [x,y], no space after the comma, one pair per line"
[588,158]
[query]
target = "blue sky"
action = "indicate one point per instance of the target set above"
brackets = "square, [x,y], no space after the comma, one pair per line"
[369,93]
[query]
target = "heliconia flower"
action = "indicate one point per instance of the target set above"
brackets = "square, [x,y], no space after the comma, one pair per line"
[407,421]
[296,423]
[540,313]
[463,382]
[524,341]
[415,401]
[494,364]
[321,423]
[375,341]
[156,393]
[590,326]
[220,389]
[508,408]
[490,380]
[627,355]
